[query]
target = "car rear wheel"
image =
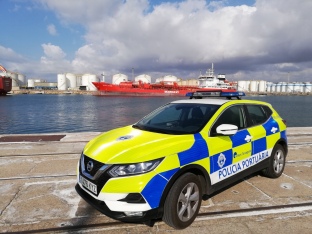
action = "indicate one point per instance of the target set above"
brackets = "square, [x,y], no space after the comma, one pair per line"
[276,163]
[183,202]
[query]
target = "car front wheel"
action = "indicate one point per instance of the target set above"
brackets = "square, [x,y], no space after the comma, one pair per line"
[183,202]
[276,163]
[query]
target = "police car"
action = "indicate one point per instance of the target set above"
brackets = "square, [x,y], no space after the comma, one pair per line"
[162,166]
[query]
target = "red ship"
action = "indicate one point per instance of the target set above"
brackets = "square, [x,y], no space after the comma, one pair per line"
[5,82]
[169,87]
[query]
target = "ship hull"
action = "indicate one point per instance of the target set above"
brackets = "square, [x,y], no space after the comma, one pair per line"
[107,89]
[5,85]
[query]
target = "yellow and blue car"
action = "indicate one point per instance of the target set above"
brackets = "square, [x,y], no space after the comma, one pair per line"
[162,166]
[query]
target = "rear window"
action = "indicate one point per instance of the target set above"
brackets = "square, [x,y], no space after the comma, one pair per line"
[257,114]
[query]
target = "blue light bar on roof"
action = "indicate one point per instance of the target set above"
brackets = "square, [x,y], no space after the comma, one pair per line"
[227,94]
[232,94]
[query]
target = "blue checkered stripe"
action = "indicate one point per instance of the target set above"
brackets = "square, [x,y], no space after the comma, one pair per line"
[155,187]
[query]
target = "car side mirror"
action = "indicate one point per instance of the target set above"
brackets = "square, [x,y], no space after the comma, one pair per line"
[227,129]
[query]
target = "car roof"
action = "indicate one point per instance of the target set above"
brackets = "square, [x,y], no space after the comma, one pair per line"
[213,101]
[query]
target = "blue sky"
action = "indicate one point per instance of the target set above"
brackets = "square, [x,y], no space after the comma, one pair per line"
[246,39]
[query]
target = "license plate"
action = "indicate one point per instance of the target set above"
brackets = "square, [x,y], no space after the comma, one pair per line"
[88,185]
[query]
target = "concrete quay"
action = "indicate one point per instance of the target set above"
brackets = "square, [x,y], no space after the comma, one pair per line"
[37,195]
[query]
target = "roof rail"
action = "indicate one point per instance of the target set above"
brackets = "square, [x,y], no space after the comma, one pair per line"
[229,94]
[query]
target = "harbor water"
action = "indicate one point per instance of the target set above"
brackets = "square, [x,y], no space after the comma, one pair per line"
[27,114]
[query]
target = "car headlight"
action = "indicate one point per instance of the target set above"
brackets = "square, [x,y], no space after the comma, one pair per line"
[134,169]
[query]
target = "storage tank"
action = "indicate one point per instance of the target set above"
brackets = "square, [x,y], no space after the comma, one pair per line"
[278,87]
[21,79]
[144,78]
[92,78]
[170,79]
[61,82]
[283,87]
[87,80]
[307,87]
[242,85]
[118,78]
[158,80]
[71,80]
[273,89]
[269,87]
[14,78]
[254,86]
[298,87]
[192,82]
[290,88]
[31,83]
[262,86]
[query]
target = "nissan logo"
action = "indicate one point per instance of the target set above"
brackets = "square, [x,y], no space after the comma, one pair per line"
[89,166]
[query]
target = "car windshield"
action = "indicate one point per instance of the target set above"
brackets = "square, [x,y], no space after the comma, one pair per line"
[177,118]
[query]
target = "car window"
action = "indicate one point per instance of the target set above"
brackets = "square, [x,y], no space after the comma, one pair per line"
[232,115]
[267,110]
[257,115]
[178,118]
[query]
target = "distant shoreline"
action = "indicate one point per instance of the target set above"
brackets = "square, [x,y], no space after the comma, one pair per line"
[85,92]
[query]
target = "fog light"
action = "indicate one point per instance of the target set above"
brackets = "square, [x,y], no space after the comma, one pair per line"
[135,213]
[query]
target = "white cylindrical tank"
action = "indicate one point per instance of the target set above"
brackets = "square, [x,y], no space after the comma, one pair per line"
[273,89]
[14,78]
[144,78]
[61,82]
[170,78]
[307,87]
[298,87]
[254,86]
[283,87]
[118,78]
[21,79]
[87,80]
[262,86]
[192,82]
[92,78]
[158,80]
[242,85]
[278,87]
[39,80]
[31,83]
[269,87]
[71,80]
[290,88]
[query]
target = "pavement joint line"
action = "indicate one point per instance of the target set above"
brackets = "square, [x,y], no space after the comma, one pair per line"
[27,155]
[35,177]
[11,200]
[255,187]
[299,181]
[256,211]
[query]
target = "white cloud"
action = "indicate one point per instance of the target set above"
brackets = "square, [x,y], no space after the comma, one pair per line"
[53,52]
[52,30]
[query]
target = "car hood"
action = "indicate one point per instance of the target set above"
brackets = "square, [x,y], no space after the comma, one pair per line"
[130,145]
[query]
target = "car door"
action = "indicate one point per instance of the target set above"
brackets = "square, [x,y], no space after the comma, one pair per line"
[260,128]
[227,153]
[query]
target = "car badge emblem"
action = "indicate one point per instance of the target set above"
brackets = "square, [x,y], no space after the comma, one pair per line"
[90,166]
[221,160]
[123,138]
[274,129]
[248,138]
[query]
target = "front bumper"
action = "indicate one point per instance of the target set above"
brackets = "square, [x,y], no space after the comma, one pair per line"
[146,216]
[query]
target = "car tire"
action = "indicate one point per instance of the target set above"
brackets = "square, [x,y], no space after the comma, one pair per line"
[276,162]
[183,201]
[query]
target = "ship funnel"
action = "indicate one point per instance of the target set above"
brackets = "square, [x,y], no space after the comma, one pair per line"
[103,77]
